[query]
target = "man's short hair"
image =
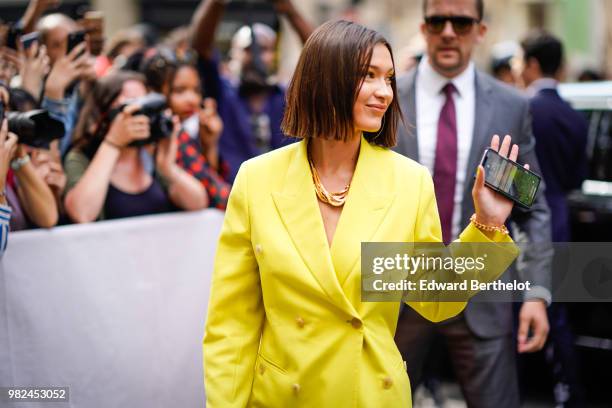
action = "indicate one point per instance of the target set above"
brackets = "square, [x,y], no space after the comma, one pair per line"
[51,21]
[479,8]
[546,49]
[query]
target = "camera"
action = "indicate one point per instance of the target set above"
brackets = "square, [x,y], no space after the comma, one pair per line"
[152,106]
[34,128]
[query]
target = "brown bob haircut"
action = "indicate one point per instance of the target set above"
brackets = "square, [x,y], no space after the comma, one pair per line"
[327,80]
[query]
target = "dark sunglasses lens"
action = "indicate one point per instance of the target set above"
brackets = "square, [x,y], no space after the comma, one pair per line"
[462,25]
[435,25]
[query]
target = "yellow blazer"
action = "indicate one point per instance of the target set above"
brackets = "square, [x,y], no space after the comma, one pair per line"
[286,326]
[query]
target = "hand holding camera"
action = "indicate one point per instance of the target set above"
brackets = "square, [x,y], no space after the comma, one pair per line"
[128,127]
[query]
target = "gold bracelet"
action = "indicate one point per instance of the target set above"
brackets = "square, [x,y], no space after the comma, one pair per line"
[489,228]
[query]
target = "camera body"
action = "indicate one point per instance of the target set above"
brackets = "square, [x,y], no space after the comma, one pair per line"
[152,106]
[34,128]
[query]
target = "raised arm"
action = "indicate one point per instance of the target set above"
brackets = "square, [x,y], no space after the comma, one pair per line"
[34,12]
[184,190]
[297,21]
[88,181]
[204,25]
[35,195]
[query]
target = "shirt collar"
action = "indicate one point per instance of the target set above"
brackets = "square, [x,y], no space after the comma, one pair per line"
[541,84]
[433,82]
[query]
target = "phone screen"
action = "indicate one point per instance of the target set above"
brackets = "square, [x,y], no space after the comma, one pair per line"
[75,39]
[509,178]
[28,39]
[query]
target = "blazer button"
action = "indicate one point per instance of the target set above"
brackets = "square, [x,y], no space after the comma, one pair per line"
[356,323]
[262,369]
[258,249]
[387,383]
[300,322]
[296,388]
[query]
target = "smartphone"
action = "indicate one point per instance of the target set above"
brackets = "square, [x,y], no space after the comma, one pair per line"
[509,178]
[28,39]
[12,36]
[75,39]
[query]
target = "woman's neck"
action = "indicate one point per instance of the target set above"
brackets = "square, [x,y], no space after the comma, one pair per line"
[129,157]
[335,156]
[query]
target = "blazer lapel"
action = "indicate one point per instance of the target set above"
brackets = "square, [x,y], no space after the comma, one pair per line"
[483,114]
[368,200]
[299,210]
[407,140]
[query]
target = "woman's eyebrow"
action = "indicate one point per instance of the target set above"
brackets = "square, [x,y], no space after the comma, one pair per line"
[377,68]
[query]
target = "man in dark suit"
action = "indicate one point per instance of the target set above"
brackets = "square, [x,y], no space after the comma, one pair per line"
[452,110]
[560,131]
[561,136]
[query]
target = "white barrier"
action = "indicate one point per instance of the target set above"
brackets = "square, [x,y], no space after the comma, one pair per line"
[113,310]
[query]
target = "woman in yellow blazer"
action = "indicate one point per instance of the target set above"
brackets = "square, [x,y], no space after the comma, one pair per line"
[286,326]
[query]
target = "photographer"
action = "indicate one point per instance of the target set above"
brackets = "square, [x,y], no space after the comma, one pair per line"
[198,151]
[30,198]
[107,174]
[8,143]
[252,110]
[46,157]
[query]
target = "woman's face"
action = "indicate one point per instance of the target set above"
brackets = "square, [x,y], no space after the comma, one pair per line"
[376,93]
[131,89]
[185,95]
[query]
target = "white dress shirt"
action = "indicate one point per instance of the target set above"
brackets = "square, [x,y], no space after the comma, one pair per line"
[429,102]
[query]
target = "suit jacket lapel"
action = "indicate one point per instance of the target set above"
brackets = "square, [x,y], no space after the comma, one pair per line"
[368,200]
[483,113]
[407,140]
[298,208]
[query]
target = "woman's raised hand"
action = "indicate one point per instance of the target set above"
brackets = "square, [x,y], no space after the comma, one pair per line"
[491,207]
[127,127]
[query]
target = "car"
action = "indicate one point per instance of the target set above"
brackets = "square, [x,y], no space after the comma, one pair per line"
[591,206]
[591,221]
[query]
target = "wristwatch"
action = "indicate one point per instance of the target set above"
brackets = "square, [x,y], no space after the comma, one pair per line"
[19,162]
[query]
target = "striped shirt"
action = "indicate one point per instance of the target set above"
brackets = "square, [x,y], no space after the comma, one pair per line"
[5,217]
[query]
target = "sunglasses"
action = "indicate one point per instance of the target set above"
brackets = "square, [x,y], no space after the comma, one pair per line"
[461,24]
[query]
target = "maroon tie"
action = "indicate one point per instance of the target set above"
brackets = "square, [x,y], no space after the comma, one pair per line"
[445,166]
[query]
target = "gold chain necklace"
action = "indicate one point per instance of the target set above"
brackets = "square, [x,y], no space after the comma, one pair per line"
[333,199]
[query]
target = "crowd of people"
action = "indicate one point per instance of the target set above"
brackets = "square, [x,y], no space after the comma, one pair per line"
[145,128]
[116,156]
